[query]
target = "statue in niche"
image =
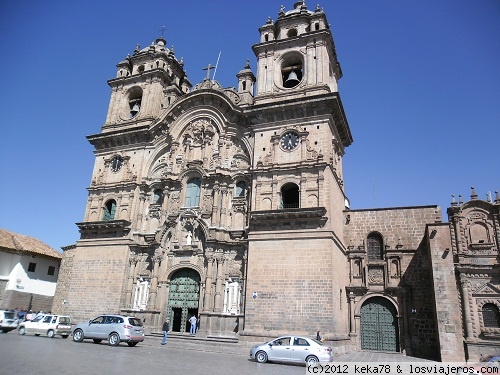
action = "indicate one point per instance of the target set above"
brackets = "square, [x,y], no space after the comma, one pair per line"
[189,238]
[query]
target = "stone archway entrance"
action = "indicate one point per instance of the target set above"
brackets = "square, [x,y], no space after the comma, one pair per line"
[183,298]
[379,325]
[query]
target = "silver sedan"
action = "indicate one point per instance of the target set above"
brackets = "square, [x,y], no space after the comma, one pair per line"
[294,349]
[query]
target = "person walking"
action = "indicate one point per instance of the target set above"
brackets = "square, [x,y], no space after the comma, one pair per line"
[165,329]
[192,329]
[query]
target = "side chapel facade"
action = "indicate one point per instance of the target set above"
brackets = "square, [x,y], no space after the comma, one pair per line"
[229,203]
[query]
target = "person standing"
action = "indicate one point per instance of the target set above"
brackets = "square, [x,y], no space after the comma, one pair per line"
[165,329]
[192,329]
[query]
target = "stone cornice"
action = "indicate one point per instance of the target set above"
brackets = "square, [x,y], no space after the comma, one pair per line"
[300,108]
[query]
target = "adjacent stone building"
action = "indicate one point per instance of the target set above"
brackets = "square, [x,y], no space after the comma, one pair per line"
[229,203]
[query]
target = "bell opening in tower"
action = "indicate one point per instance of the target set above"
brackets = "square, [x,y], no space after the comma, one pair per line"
[291,71]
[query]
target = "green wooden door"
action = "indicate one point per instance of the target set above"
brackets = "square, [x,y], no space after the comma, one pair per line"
[184,295]
[379,330]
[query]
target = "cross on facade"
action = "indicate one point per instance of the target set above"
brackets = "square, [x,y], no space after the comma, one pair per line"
[162,30]
[208,68]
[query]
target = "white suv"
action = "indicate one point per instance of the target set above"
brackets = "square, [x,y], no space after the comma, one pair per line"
[8,321]
[49,325]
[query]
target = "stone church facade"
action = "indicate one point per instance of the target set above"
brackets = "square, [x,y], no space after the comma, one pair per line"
[229,203]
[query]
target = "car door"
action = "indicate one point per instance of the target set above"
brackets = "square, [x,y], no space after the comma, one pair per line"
[43,325]
[94,329]
[280,349]
[300,349]
[30,325]
[107,326]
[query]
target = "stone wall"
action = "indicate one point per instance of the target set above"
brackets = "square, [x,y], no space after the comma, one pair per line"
[449,318]
[97,279]
[295,286]
[26,301]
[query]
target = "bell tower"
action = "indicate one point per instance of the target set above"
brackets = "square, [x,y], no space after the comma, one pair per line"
[297,269]
[296,56]
[146,83]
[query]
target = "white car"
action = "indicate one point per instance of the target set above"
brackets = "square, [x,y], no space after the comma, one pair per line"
[295,349]
[49,325]
[8,321]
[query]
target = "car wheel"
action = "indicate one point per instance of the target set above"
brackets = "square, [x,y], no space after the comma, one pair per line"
[78,335]
[51,333]
[96,341]
[64,336]
[22,330]
[261,357]
[131,343]
[114,339]
[312,360]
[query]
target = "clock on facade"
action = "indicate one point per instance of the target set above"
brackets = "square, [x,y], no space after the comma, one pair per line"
[289,140]
[116,164]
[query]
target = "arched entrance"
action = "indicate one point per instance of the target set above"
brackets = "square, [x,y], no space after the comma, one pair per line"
[183,298]
[379,325]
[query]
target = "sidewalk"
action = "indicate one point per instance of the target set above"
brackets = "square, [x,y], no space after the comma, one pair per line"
[202,344]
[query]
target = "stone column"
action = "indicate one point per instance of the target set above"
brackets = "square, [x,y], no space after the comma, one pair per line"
[352,323]
[208,282]
[215,204]
[466,301]
[154,283]
[218,283]
[223,210]
[130,282]
[458,233]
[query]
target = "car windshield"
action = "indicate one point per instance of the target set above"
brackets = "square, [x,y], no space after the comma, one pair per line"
[37,319]
[64,320]
[135,322]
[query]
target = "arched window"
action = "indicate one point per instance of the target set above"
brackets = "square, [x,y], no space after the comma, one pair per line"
[240,189]
[158,196]
[135,100]
[491,315]
[290,196]
[109,210]
[374,247]
[193,192]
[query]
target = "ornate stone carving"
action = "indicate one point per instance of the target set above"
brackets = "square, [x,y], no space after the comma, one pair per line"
[376,275]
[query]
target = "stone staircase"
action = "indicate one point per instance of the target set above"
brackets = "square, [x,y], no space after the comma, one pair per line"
[198,342]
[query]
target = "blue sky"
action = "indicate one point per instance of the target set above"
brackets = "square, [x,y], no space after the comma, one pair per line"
[420,90]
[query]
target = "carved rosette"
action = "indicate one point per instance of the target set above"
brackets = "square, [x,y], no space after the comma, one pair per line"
[376,275]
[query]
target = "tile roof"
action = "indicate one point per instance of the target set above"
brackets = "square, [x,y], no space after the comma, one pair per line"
[21,243]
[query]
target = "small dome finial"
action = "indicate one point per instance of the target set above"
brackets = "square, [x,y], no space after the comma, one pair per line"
[453,201]
[473,194]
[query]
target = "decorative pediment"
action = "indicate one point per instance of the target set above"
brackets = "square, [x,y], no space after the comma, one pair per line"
[487,289]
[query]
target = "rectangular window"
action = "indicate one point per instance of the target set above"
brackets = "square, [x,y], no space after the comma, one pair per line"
[52,270]
[32,267]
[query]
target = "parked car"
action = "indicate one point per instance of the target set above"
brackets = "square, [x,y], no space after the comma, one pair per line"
[114,328]
[49,325]
[295,349]
[8,321]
